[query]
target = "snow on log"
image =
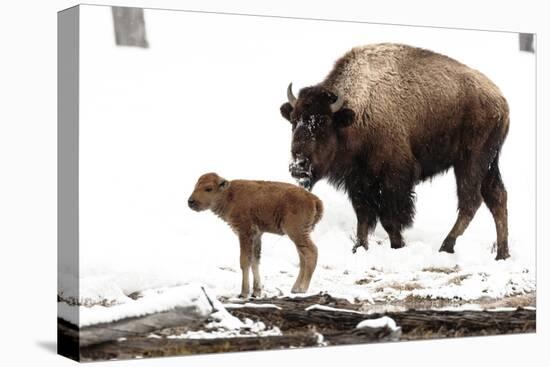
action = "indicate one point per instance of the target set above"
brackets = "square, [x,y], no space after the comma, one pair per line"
[178,316]
[153,310]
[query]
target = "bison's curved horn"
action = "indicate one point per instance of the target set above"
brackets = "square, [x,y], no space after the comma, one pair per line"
[290,96]
[334,107]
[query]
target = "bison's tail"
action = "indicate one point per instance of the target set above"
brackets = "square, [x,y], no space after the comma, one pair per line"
[318,212]
[494,170]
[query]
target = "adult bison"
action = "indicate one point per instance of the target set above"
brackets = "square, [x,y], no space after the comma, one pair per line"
[389,116]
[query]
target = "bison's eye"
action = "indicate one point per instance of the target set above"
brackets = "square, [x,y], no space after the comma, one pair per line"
[208,189]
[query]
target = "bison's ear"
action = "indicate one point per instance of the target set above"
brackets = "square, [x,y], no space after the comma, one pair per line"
[343,117]
[286,109]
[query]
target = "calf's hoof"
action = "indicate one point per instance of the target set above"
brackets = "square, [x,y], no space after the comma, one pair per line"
[298,290]
[257,293]
[448,246]
[243,295]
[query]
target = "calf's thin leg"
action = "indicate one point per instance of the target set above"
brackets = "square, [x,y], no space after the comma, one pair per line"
[310,252]
[246,254]
[299,279]
[256,253]
[308,260]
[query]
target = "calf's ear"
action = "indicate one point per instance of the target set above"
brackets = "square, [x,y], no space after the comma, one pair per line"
[286,109]
[343,117]
[223,184]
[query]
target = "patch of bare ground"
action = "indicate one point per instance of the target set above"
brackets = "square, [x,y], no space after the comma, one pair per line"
[364,281]
[434,269]
[408,286]
[457,280]
[412,302]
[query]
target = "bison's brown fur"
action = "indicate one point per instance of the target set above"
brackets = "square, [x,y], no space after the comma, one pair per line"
[407,115]
[252,208]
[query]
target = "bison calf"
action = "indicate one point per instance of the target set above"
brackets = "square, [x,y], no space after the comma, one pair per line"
[252,208]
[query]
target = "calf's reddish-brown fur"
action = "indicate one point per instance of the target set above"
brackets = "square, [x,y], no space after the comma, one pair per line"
[252,208]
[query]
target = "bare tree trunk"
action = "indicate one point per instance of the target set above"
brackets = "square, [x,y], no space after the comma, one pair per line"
[129,27]
[526,42]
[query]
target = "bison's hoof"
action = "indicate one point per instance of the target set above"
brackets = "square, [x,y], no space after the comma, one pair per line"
[397,245]
[358,244]
[448,246]
[502,255]
[243,295]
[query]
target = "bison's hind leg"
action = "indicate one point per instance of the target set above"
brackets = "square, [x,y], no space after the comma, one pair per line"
[495,197]
[469,174]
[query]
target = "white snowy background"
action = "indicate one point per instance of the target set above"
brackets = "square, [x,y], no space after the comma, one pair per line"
[153,120]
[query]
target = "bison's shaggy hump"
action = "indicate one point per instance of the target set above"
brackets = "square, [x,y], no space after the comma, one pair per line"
[393,81]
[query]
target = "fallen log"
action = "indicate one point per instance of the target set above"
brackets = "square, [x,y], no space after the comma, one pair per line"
[186,317]
[152,347]
[414,324]
[334,323]
[320,328]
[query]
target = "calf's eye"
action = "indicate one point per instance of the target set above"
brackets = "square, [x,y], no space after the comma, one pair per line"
[208,189]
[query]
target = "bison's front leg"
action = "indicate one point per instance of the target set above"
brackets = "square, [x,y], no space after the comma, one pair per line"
[366,220]
[396,213]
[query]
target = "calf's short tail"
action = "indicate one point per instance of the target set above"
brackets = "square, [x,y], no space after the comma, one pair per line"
[318,212]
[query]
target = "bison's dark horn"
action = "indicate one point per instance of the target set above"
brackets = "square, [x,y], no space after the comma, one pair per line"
[338,104]
[290,96]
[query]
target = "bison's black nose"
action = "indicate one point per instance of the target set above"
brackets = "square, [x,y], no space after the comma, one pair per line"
[300,166]
[191,203]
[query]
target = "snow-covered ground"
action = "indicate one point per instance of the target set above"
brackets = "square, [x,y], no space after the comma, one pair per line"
[199,100]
